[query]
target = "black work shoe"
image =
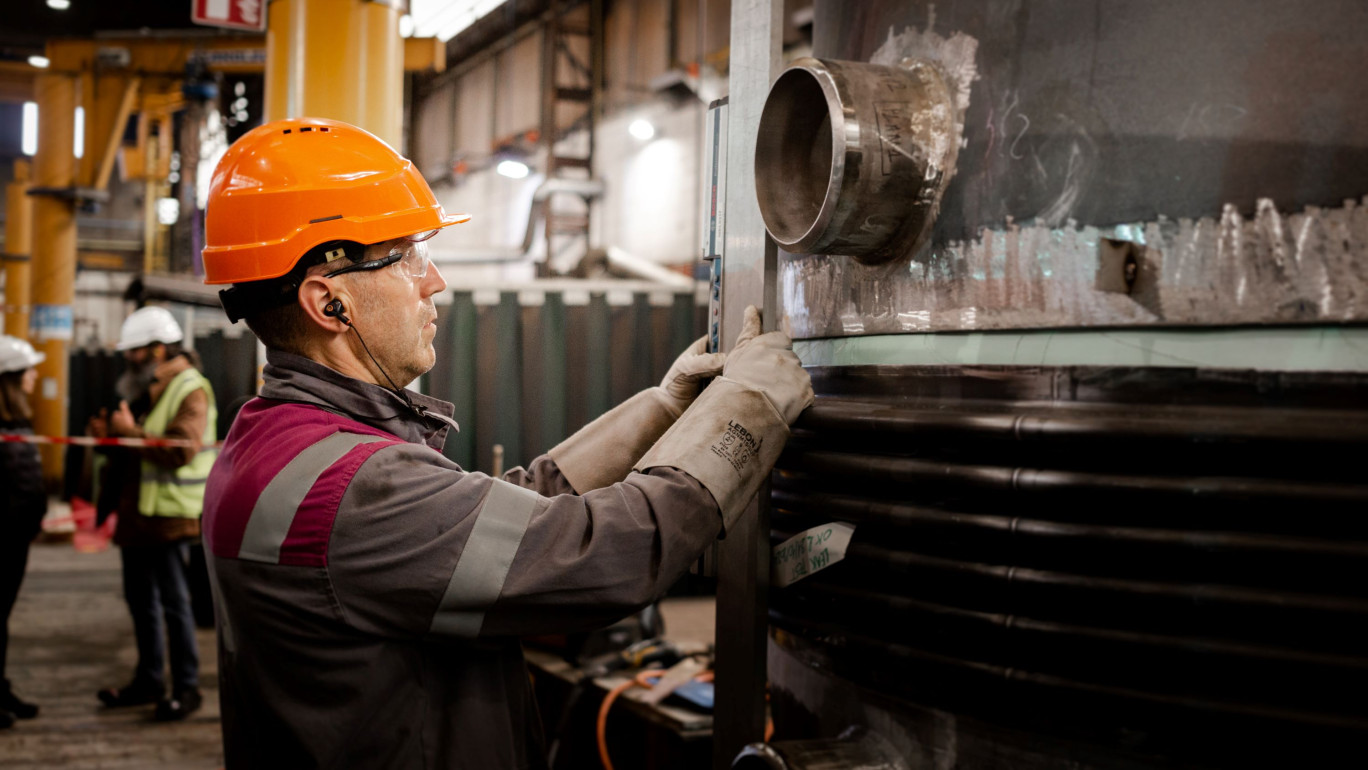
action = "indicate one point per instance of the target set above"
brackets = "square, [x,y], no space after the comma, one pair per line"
[6,719]
[135,693]
[20,709]
[179,706]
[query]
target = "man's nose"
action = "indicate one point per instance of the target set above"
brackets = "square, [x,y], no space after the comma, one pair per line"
[433,282]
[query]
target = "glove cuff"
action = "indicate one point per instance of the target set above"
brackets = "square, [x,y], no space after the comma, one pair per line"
[728,440]
[601,453]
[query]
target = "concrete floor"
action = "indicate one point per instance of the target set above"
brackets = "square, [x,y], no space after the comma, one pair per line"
[70,635]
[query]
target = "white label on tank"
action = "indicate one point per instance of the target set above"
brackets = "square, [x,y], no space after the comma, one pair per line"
[50,388]
[809,552]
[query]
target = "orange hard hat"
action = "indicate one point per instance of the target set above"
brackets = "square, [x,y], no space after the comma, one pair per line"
[290,185]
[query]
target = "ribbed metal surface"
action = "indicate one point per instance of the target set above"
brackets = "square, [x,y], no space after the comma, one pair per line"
[1117,551]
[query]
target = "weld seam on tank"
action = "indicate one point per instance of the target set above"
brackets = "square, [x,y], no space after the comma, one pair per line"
[1312,426]
[892,604]
[902,561]
[894,470]
[852,643]
[861,511]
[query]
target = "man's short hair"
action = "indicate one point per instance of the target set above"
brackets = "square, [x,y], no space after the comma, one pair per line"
[280,328]
[273,312]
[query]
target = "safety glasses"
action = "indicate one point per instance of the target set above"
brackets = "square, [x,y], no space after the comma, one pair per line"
[409,258]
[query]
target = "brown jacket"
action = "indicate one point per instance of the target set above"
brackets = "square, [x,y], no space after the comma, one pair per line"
[120,482]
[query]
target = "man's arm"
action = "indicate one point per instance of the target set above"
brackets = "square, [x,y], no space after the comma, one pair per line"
[188,424]
[421,548]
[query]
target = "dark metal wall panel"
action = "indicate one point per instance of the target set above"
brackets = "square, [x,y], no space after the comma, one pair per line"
[507,402]
[525,376]
[577,366]
[598,358]
[553,424]
[487,356]
[453,377]
[535,385]
[1154,561]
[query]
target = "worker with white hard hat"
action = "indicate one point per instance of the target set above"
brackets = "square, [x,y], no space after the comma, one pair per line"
[22,498]
[158,495]
[147,326]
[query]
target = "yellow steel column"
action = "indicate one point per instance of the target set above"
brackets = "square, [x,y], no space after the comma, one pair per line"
[54,257]
[384,74]
[18,248]
[340,59]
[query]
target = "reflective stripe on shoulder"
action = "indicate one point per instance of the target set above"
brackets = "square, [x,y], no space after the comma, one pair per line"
[478,578]
[275,509]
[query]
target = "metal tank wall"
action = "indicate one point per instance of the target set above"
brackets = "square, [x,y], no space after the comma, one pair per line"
[1144,548]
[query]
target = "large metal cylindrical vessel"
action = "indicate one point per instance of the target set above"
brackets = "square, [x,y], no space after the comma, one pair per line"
[1091,384]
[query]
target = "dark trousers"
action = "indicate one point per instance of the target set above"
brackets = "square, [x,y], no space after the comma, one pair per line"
[14,550]
[154,578]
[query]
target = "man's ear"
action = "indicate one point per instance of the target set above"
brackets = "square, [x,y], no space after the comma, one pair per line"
[314,295]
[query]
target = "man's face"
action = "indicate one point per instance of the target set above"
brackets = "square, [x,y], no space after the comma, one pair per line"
[144,358]
[395,315]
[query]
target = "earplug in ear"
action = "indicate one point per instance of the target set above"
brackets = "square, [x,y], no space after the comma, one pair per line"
[334,309]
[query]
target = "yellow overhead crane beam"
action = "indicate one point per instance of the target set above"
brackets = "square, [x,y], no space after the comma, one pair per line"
[115,78]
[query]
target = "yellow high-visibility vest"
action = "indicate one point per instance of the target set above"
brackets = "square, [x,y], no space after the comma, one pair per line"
[178,492]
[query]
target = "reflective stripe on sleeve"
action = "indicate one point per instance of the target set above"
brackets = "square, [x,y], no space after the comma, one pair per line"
[275,509]
[478,578]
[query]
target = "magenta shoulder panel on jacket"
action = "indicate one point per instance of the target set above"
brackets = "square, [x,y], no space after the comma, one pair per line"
[266,437]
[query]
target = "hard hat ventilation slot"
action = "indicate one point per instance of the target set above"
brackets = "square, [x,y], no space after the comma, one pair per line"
[286,131]
[306,129]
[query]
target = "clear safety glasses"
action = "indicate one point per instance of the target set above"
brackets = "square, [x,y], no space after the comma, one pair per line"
[409,258]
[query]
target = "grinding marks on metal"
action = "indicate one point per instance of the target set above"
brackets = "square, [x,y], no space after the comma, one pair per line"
[1269,268]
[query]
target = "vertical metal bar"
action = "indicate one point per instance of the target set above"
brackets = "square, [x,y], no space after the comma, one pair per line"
[748,279]
[508,383]
[535,387]
[598,386]
[18,248]
[53,269]
[577,367]
[459,389]
[553,322]
[487,359]
[549,119]
[641,344]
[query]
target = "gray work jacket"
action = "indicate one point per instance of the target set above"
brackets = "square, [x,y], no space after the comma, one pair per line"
[371,593]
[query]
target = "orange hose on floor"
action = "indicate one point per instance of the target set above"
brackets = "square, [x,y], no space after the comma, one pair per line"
[640,680]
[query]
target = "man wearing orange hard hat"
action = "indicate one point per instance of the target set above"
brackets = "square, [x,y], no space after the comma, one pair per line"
[370,593]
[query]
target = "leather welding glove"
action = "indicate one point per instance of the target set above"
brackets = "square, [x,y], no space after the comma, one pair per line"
[730,438]
[602,453]
[686,375]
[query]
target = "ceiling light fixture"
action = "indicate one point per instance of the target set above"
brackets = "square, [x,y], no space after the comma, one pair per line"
[41,62]
[512,169]
[59,5]
[642,129]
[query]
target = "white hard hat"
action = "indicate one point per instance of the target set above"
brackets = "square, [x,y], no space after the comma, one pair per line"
[148,325]
[16,355]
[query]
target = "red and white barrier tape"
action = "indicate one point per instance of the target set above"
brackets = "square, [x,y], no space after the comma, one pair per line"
[23,438]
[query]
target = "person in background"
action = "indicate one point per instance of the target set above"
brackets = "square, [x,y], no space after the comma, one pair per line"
[22,499]
[158,494]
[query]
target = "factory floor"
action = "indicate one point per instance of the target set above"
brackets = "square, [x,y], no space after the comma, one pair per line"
[70,635]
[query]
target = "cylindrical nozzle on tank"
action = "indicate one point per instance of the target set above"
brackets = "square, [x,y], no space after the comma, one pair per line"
[852,158]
